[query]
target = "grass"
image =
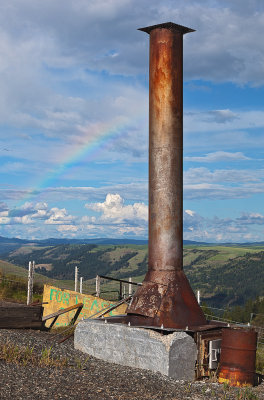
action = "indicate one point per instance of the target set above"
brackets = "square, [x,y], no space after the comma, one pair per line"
[62,331]
[26,250]
[102,247]
[47,360]
[7,268]
[224,254]
[25,355]
[260,360]
[240,393]
[13,272]
[246,394]
[226,392]
[81,364]
[13,288]
[11,269]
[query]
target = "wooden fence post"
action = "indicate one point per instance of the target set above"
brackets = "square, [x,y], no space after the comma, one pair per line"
[76,279]
[31,267]
[120,290]
[198,296]
[130,287]
[81,284]
[97,285]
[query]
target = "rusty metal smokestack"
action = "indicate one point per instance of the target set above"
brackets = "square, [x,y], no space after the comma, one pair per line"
[165,297]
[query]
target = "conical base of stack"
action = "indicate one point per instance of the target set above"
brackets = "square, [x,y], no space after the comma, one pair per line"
[165,298]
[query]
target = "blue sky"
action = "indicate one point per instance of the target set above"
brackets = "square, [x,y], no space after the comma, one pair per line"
[74,118]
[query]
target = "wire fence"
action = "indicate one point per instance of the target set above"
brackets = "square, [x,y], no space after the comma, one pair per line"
[109,288]
[121,288]
[218,314]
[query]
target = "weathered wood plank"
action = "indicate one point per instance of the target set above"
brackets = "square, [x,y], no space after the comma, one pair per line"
[21,316]
[62,311]
[74,319]
[17,313]
[20,324]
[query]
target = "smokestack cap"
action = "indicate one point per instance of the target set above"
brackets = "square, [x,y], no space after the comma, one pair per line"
[168,25]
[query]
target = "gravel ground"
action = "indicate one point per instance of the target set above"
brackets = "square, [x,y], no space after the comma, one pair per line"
[90,378]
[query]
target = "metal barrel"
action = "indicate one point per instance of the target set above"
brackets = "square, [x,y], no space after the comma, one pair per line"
[166,296]
[238,357]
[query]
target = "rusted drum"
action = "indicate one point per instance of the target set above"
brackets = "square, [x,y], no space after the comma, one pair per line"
[238,357]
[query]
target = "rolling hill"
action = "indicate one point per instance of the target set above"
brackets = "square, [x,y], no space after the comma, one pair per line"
[225,275]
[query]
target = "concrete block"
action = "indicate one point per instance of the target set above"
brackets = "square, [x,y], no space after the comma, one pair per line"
[173,355]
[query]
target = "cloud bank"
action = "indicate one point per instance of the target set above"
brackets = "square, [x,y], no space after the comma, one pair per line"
[114,218]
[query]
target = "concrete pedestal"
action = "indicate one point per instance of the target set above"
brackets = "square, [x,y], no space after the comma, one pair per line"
[173,355]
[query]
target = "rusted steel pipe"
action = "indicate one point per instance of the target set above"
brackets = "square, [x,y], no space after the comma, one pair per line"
[165,150]
[166,296]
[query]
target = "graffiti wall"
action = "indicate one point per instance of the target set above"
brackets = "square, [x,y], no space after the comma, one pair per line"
[59,299]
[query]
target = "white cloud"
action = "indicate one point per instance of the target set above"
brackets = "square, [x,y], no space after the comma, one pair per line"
[88,220]
[203,121]
[3,206]
[12,167]
[251,219]
[24,220]
[202,183]
[197,227]
[4,220]
[58,216]
[67,228]
[132,191]
[38,48]
[218,156]
[199,183]
[30,213]
[24,211]
[223,116]
[236,176]
[117,47]
[220,192]
[113,209]
[190,212]
[117,218]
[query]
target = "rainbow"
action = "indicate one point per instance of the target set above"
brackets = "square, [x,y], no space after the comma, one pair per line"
[89,149]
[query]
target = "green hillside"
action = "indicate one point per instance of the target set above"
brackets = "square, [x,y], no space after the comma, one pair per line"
[11,270]
[225,275]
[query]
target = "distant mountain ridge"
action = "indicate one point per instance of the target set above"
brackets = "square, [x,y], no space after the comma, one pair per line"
[11,244]
[84,241]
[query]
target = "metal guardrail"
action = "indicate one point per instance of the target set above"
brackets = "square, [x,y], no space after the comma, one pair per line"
[258,329]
